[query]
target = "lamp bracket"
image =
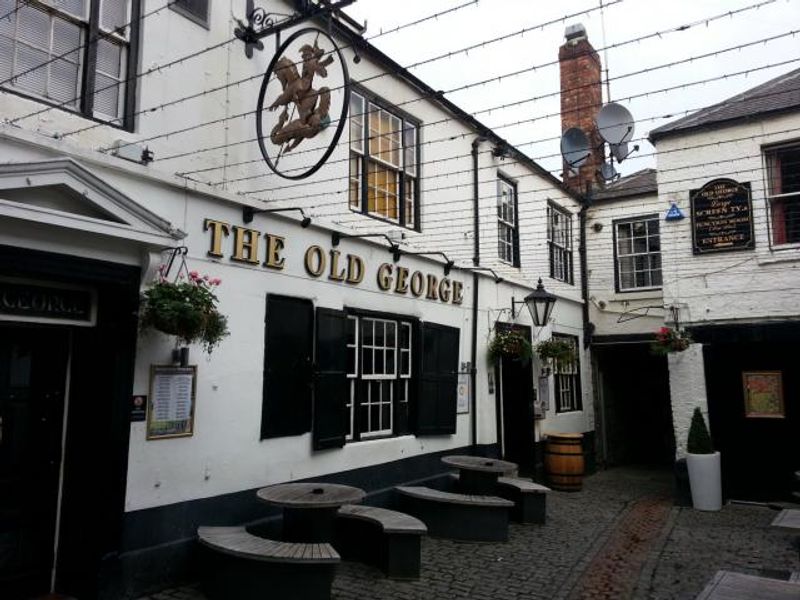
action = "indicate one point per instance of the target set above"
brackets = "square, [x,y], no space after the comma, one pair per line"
[248,212]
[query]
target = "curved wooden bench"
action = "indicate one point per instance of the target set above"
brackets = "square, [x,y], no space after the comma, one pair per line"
[241,566]
[529,497]
[458,516]
[386,538]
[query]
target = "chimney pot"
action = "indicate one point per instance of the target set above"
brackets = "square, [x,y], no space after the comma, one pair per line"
[575,32]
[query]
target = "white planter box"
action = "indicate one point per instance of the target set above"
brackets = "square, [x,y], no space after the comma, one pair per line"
[705,480]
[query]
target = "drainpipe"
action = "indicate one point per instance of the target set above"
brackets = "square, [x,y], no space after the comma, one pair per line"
[588,326]
[476,260]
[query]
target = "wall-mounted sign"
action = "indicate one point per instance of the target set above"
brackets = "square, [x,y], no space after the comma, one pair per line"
[722,217]
[318,262]
[294,105]
[170,412]
[138,408]
[39,302]
[543,396]
[463,395]
[763,394]
[674,213]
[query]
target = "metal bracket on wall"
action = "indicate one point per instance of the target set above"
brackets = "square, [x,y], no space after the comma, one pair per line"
[261,24]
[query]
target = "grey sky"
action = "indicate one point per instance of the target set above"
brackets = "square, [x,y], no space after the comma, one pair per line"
[624,21]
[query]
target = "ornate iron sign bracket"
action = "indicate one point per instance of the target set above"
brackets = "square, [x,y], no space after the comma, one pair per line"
[261,24]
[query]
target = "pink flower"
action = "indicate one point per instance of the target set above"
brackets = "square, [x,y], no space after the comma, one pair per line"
[194,274]
[216,281]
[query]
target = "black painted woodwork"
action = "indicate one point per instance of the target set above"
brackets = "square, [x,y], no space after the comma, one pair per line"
[33,363]
[289,331]
[330,380]
[436,405]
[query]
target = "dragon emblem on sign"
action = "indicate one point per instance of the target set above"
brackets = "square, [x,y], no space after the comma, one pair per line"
[303,110]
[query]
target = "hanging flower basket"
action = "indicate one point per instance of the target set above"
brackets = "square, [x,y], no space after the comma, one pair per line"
[670,340]
[556,350]
[509,344]
[186,308]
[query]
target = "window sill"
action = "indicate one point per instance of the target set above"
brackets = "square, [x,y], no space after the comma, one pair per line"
[643,294]
[780,254]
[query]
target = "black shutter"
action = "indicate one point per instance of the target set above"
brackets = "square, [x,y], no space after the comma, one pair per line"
[289,335]
[330,381]
[436,402]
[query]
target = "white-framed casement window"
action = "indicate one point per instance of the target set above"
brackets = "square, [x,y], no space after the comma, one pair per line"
[507,224]
[567,379]
[74,54]
[379,370]
[194,10]
[783,183]
[638,253]
[384,160]
[559,241]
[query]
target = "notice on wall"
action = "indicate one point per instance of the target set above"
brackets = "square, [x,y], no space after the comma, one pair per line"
[763,394]
[543,396]
[722,217]
[463,394]
[170,411]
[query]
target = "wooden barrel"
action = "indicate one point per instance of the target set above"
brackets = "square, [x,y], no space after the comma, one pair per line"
[563,461]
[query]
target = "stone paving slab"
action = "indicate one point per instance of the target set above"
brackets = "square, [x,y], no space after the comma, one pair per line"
[618,538]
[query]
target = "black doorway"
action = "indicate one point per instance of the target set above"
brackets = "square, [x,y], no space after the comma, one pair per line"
[33,369]
[515,408]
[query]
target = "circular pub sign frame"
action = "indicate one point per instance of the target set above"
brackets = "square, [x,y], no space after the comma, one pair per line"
[304,110]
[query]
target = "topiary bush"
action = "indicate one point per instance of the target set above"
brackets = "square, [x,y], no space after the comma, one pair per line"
[699,441]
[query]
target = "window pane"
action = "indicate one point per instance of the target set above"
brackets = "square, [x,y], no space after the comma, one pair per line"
[30,60]
[356,122]
[109,57]
[6,55]
[34,27]
[63,84]
[106,98]
[410,147]
[114,14]
[66,39]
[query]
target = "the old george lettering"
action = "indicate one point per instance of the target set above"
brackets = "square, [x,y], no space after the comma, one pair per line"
[247,247]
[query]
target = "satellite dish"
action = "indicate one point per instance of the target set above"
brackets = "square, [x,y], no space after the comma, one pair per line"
[575,147]
[615,124]
[608,172]
[620,151]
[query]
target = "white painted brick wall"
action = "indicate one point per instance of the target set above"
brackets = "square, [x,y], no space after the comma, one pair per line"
[687,385]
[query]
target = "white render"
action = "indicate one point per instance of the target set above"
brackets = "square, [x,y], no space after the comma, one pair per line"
[687,384]
[225,453]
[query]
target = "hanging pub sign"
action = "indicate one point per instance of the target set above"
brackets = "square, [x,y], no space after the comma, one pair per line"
[303,103]
[722,217]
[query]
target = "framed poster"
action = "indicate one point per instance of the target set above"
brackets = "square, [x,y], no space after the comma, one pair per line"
[170,410]
[763,395]
[463,394]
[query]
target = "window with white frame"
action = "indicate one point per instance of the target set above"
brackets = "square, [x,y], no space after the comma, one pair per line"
[559,240]
[47,52]
[507,230]
[567,380]
[384,150]
[783,170]
[379,369]
[638,253]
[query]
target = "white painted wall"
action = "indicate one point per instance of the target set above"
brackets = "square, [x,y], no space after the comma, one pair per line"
[614,312]
[687,385]
[749,285]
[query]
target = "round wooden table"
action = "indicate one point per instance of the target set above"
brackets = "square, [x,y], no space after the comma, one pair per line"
[478,474]
[309,509]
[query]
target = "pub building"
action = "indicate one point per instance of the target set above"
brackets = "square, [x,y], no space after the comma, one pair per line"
[358,327]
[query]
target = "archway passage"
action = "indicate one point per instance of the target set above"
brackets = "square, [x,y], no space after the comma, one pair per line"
[634,411]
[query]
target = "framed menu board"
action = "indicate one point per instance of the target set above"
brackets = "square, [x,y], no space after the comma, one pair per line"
[170,409]
[763,394]
[722,217]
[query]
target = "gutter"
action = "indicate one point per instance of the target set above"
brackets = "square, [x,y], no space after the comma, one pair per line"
[476,259]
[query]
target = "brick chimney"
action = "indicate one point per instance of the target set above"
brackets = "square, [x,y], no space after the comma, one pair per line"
[581,99]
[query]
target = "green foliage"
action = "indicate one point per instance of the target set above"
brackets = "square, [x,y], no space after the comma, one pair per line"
[186,309]
[557,349]
[510,344]
[699,441]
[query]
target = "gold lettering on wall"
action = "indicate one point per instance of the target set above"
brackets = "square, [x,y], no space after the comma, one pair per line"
[315,261]
[335,273]
[458,292]
[275,244]
[385,276]
[417,283]
[444,290]
[245,244]
[218,230]
[355,269]
[402,281]
[433,288]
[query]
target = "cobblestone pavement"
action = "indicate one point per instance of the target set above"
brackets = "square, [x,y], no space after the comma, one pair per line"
[619,538]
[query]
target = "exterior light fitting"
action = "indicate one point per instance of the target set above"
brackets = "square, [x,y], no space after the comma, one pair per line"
[248,212]
[394,237]
[540,304]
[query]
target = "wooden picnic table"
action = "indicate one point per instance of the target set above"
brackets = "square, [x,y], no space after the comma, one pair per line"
[309,509]
[478,474]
